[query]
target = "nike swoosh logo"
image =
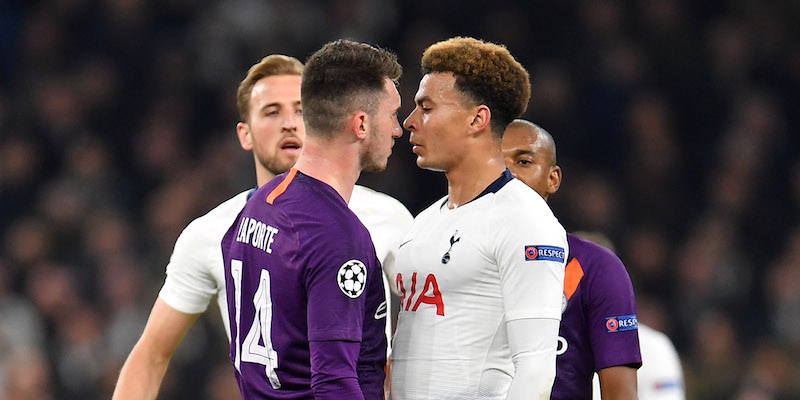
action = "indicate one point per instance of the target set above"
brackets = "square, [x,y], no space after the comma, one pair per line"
[381,311]
[404,243]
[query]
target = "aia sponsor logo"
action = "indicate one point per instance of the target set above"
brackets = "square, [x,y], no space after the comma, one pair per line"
[428,294]
[622,323]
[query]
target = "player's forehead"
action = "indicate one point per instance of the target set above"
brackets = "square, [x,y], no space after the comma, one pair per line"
[520,139]
[393,99]
[280,89]
[437,87]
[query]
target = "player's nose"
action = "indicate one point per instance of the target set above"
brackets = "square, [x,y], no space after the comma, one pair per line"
[397,131]
[290,122]
[410,121]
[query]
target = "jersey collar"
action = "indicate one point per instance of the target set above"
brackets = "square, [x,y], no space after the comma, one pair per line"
[492,188]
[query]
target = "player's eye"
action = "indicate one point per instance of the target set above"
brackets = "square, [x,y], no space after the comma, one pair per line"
[271,113]
[524,162]
[299,111]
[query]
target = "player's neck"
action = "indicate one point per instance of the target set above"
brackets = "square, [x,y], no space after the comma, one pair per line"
[333,164]
[263,175]
[472,176]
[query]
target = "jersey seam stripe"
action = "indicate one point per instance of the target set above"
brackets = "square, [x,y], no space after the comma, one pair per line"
[282,187]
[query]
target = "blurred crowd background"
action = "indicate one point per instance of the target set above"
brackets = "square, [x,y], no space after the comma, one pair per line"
[677,126]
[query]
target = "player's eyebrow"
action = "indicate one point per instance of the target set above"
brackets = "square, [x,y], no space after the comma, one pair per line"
[269,105]
[422,99]
[519,152]
[277,105]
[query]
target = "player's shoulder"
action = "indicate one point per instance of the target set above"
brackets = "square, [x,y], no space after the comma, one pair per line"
[308,202]
[220,217]
[514,194]
[596,260]
[374,198]
[581,248]
[370,201]
[518,208]
[294,192]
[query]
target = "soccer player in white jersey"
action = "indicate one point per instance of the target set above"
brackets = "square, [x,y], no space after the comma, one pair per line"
[598,287]
[480,274]
[272,128]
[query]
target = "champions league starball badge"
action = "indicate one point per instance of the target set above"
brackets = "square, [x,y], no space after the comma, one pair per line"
[352,278]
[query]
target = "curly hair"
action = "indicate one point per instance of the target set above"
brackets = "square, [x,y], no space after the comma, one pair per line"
[271,65]
[486,73]
[341,77]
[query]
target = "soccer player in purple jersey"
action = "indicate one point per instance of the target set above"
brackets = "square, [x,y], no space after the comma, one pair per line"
[599,329]
[303,283]
[271,127]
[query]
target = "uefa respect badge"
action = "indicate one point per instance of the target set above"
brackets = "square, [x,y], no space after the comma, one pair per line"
[544,253]
[622,323]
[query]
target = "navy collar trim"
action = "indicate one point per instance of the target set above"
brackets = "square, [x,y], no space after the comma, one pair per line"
[492,188]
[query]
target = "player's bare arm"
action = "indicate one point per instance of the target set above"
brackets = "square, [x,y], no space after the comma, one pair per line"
[618,383]
[145,367]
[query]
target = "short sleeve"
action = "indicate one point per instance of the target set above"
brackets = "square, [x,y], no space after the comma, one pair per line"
[530,247]
[190,285]
[612,321]
[339,269]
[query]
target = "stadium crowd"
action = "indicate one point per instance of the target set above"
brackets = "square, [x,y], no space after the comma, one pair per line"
[673,119]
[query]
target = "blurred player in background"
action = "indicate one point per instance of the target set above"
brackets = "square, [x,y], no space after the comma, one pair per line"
[271,126]
[599,326]
[661,374]
[480,274]
[305,290]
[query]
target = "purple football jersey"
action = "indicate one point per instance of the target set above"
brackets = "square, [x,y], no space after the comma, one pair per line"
[301,267]
[599,328]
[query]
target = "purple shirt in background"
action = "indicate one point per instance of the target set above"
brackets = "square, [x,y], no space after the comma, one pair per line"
[302,263]
[599,328]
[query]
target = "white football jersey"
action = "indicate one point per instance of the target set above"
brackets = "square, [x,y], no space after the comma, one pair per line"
[661,375]
[195,273]
[461,275]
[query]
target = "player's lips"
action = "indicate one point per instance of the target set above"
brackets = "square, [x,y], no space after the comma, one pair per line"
[291,144]
[414,145]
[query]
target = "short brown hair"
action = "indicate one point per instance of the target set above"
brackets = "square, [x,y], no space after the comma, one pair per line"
[486,73]
[271,65]
[341,77]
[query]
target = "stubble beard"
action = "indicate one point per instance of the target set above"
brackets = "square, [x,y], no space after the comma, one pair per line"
[276,165]
[372,159]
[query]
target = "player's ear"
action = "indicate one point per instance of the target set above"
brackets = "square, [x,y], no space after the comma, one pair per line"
[357,124]
[245,137]
[481,119]
[554,180]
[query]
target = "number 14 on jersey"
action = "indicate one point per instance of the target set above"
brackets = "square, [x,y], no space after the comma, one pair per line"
[249,350]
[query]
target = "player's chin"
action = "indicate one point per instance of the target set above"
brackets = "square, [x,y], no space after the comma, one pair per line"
[376,166]
[282,164]
[430,166]
[423,162]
